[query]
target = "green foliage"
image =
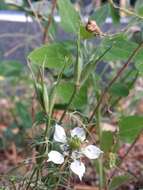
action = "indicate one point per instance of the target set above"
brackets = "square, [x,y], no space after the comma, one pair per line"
[139,7]
[11,68]
[70,19]
[107,141]
[118,181]
[100,14]
[117,52]
[130,127]
[51,56]
[119,89]
[65,90]
[114,14]
[84,34]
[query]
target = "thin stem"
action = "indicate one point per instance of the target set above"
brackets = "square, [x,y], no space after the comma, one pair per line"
[77,75]
[126,11]
[68,105]
[45,37]
[126,154]
[61,169]
[101,175]
[114,80]
[31,177]
[35,13]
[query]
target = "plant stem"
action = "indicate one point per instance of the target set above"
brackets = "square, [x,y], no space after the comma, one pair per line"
[45,34]
[68,105]
[126,11]
[114,79]
[61,169]
[126,154]
[31,177]
[101,175]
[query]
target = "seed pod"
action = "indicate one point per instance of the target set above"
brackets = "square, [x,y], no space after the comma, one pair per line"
[92,27]
[45,98]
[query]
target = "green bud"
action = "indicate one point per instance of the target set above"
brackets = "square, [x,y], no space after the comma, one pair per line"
[74,143]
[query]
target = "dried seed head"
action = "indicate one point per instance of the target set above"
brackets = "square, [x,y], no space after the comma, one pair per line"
[92,27]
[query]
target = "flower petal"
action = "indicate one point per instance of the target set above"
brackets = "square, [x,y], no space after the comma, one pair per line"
[60,135]
[79,132]
[55,157]
[78,168]
[92,152]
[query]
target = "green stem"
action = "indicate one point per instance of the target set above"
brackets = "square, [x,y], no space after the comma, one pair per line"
[61,169]
[101,174]
[31,177]
[101,181]
[69,103]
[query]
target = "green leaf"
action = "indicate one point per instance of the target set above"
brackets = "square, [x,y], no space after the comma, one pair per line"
[118,181]
[84,34]
[121,49]
[50,56]
[130,127]
[64,92]
[100,14]
[69,16]
[139,7]
[119,89]
[106,141]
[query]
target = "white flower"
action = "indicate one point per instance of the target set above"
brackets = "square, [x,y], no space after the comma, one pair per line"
[73,144]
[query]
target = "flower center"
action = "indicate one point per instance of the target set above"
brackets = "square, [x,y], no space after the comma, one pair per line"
[74,143]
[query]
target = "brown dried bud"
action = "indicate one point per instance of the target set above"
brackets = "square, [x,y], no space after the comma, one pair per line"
[92,27]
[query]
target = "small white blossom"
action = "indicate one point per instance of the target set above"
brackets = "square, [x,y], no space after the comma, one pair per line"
[78,137]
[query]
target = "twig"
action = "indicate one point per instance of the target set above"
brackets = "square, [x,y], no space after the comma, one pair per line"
[114,80]
[45,36]
[124,10]
[35,14]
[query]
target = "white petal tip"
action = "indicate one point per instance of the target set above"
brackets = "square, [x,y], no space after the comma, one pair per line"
[78,168]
